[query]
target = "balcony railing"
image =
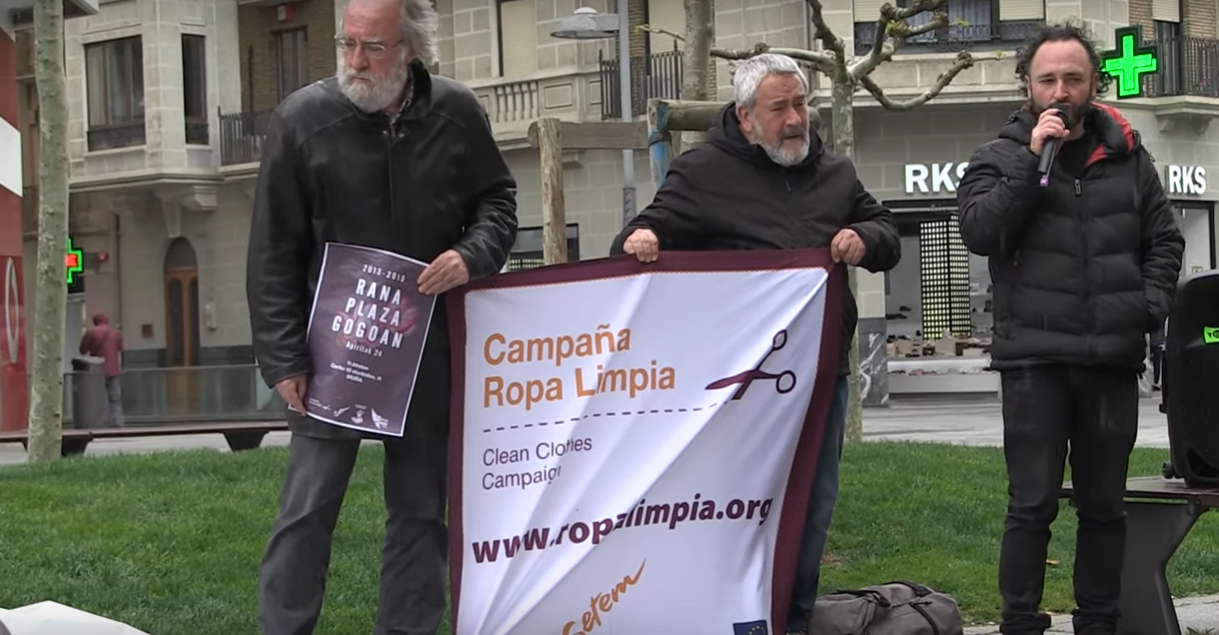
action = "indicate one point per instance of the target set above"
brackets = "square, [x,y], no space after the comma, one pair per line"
[1189,66]
[241,137]
[656,76]
[185,394]
[516,102]
[956,37]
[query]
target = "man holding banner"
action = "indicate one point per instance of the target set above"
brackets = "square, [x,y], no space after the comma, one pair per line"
[764,181]
[391,165]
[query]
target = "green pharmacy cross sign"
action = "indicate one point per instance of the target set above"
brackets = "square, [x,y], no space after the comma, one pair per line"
[74,260]
[1130,61]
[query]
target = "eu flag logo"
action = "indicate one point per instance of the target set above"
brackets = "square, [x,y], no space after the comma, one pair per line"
[750,628]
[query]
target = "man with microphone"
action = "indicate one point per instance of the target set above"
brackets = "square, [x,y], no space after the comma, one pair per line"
[1084,255]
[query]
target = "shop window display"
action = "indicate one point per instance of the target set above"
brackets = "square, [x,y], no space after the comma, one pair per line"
[938,309]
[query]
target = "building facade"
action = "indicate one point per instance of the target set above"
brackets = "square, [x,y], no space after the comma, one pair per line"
[171,97]
[912,161]
[15,132]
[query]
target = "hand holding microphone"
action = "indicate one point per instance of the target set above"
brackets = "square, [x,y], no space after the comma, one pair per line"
[1051,128]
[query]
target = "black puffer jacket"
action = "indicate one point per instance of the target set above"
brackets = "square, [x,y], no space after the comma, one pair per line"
[1082,268]
[727,194]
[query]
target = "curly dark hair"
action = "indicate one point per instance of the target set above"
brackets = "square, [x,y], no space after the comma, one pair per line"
[1060,32]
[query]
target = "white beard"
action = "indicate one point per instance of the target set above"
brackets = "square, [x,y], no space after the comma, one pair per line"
[373,94]
[780,154]
[785,156]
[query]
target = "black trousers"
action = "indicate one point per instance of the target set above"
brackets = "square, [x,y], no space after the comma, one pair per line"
[1051,413]
[414,563]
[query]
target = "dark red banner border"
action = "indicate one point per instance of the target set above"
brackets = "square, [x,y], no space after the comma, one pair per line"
[804,464]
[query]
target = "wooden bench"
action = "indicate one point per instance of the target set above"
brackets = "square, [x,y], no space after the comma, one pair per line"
[1159,514]
[240,436]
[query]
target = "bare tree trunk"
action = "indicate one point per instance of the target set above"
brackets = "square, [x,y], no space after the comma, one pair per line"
[46,394]
[843,106]
[554,210]
[698,76]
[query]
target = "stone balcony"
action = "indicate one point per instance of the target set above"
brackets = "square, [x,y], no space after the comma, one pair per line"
[512,104]
[1184,93]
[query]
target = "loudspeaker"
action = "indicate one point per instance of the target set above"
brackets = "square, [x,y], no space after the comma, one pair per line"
[1189,378]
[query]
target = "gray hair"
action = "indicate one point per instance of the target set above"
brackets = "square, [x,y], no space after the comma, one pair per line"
[750,73]
[419,22]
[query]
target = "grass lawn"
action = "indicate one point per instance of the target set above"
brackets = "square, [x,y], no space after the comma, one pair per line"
[170,542]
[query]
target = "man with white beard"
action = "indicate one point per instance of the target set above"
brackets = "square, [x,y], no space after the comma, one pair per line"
[764,180]
[383,155]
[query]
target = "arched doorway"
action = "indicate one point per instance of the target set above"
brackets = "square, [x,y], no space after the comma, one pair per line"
[181,327]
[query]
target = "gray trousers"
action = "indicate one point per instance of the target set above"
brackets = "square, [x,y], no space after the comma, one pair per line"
[414,561]
[114,399]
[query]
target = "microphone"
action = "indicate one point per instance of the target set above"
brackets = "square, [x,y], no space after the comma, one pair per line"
[1050,148]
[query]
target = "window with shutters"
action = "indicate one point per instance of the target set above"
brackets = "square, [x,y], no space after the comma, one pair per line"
[292,60]
[1188,65]
[518,37]
[194,88]
[1166,10]
[114,76]
[972,25]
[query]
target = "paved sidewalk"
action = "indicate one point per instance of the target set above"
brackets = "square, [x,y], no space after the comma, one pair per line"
[1197,615]
[952,419]
[976,421]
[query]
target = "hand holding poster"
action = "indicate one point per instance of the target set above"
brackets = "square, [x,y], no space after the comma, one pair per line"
[366,336]
[634,444]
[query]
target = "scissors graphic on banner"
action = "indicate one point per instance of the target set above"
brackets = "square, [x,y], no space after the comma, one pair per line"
[12,303]
[784,381]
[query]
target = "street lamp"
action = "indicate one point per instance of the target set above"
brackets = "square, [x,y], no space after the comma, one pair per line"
[587,24]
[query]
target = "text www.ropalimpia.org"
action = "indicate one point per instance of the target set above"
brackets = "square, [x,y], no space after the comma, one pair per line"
[641,515]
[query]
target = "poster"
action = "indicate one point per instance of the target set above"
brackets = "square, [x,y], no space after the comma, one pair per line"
[366,335]
[634,444]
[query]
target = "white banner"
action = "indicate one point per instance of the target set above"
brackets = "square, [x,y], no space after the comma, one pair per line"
[624,442]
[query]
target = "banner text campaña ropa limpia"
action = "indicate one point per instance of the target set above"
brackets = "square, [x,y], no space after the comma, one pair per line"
[586,381]
[584,428]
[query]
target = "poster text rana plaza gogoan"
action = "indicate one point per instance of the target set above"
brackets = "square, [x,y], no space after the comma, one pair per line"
[633,445]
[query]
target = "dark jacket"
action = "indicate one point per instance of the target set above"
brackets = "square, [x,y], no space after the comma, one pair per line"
[432,181]
[1083,267]
[727,194]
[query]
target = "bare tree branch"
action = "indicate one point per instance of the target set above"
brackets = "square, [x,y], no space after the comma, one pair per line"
[823,62]
[647,28]
[831,41]
[893,29]
[964,61]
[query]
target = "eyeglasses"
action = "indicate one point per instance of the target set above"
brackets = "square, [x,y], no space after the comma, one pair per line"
[372,49]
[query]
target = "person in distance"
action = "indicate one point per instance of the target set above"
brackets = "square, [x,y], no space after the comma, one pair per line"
[764,180]
[388,156]
[1083,267]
